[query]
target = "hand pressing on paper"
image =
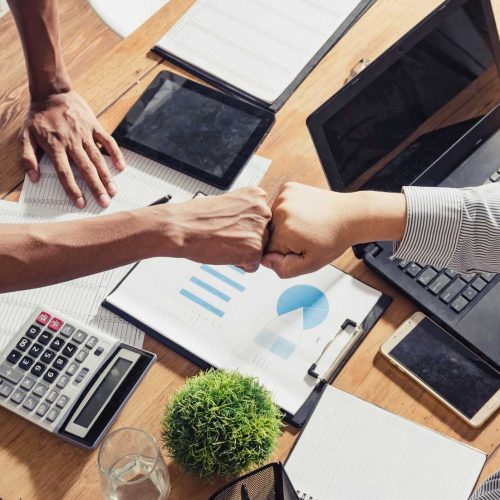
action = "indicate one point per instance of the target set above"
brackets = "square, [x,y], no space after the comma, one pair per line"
[64,126]
[226,229]
[311,227]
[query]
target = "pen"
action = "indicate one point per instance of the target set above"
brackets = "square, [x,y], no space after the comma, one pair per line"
[165,199]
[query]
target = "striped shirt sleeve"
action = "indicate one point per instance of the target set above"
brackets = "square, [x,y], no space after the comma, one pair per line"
[454,228]
[489,490]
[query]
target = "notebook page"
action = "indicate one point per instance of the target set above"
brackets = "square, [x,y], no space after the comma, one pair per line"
[80,299]
[353,450]
[143,182]
[257,46]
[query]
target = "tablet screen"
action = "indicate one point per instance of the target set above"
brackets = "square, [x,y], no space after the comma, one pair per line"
[192,128]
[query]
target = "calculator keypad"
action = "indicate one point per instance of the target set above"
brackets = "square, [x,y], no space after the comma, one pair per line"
[42,373]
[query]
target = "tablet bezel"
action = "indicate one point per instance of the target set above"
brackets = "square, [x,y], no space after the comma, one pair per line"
[266,121]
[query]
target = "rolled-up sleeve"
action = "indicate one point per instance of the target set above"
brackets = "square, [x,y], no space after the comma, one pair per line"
[454,228]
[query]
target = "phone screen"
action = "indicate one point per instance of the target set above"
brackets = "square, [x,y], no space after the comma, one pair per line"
[456,373]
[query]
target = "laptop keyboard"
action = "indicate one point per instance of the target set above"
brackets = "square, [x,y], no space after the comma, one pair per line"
[454,289]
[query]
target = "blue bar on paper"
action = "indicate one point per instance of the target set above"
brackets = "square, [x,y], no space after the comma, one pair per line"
[210,288]
[194,298]
[237,269]
[223,278]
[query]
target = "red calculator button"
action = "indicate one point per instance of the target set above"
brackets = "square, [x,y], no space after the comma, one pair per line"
[55,324]
[43,318]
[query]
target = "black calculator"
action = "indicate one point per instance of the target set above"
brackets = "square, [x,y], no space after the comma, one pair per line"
[68,378]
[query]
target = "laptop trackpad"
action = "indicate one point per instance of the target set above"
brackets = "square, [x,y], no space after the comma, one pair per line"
[481,326]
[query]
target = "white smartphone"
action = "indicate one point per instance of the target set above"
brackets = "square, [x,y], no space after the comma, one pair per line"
[451,372]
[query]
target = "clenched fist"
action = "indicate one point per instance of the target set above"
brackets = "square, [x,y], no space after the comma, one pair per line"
[311,227]
[226,229]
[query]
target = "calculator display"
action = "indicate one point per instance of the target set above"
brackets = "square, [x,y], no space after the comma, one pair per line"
[98,400]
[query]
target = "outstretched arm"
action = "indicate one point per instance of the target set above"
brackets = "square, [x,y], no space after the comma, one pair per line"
[442,227]
[227,229]
[59,120]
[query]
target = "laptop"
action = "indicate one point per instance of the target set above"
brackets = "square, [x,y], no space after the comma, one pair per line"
[425,113]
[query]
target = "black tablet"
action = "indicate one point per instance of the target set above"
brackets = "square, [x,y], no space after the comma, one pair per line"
[202,132]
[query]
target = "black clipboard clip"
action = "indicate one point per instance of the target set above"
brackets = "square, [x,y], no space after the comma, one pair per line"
[325,377]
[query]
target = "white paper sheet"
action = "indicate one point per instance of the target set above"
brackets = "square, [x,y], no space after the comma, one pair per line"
[257,323]
[257,46]
[80,299]
[143,182]
[353,450]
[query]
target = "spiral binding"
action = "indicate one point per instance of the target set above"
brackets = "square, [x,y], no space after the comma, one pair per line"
[305,496]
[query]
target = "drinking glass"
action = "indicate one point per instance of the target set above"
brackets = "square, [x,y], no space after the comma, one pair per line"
[131,467]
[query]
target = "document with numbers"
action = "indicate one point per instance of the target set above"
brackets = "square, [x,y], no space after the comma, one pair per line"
[260,48]
[143,182]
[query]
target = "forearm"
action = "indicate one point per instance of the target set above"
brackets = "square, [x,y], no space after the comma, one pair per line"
[38,25]
[375,216]
[33,255]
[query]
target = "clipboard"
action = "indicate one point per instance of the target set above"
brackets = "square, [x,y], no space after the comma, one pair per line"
[301,416]
[275,106]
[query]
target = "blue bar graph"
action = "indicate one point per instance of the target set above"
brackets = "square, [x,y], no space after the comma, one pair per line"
[222,277]
[209,288]
[197,300]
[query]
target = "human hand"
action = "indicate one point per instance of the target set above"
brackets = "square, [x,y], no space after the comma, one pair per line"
[311,227]
[65,127]
[226,229]
[308,230]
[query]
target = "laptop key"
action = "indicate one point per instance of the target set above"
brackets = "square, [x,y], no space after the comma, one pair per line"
[469,293]
[494,177]
[459,304]
[403,263]
[479,284]
[438,284]
[427,276]
[452,290]
[468,277]
[413,269]
[451,273]
[488,276]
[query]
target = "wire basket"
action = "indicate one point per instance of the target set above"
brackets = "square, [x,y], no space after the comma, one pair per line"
[269,482]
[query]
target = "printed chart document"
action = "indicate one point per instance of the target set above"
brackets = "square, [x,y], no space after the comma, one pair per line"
[354,450]
[257,46]
[143,182]
[256,323]
[80,298]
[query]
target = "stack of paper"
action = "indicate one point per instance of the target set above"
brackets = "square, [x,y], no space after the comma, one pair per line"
[140,184]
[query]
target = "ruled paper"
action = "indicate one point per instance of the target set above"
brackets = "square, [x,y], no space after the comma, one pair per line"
[79,299]
[259,47]
[143,182]
[354,450]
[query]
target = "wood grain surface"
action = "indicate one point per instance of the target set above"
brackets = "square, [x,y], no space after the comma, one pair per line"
[38,466]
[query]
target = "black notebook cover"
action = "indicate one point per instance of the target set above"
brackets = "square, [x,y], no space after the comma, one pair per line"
[360,9]
[299,418]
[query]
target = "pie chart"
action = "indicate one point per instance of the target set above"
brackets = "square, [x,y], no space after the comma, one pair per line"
[310,299]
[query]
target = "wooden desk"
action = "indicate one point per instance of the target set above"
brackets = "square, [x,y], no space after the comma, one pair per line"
[37,466]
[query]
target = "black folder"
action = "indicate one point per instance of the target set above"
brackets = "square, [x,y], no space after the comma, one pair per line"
[360,9]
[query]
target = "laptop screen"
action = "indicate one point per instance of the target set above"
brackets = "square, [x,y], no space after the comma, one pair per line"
[406,118]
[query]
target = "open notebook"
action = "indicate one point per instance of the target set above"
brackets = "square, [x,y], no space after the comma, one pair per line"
[262,50]
[354,450]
